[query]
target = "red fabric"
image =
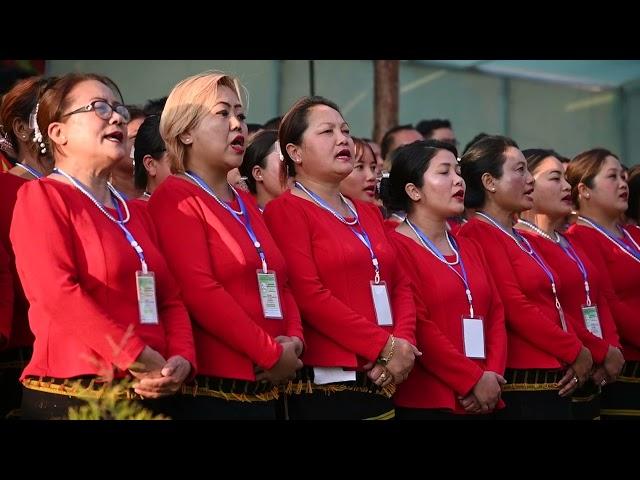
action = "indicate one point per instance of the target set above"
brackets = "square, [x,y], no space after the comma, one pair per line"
[215,262]
[17,326]
[78,271]
[620,284]
[572,294]
[137,201]
[443,372]
[6,296]
[331,271]
[534,332]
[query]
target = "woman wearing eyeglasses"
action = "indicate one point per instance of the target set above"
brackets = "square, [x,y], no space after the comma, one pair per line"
[600,192]
[103,304]
[152,165]
[234,278]
[31,162]
[545,359]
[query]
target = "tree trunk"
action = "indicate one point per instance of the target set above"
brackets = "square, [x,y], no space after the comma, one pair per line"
[385,98]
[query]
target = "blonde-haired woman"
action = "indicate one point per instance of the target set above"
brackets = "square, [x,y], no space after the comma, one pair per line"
[246,324]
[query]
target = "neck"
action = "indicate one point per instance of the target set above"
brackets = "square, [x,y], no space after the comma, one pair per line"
[328,191]
[503,217]
[124,183]
[94,179]
[215,179]
[434,227]
[544,222]
[28,158]
[601,218]
[262,197]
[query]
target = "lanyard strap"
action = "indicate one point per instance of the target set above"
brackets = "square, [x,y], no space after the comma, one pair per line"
[431,247]
[522,243]
[115,196]
[29,169]
[362,236]
[608,234]
[571,252]
[243,211]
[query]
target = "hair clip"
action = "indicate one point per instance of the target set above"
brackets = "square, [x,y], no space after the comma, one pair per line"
[5,144]
[37,134]
[277,146]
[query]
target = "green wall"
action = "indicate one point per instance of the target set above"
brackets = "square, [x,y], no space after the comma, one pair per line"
[535,114]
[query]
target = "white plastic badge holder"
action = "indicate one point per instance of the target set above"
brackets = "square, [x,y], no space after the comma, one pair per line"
[473,331]
[381,303]
[592,320]
[269,296]
[146,286]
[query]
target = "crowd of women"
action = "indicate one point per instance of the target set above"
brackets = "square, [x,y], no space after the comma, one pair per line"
[499,285]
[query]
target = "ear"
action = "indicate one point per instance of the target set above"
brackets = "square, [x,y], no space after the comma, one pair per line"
[56,133]
[488,182]
[294,153]
[21,130]
[583,191]
[256,173]
[186,138]
[413,192]
[149,165]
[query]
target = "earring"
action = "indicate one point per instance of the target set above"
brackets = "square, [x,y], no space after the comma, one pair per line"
[586,195]
[493,190]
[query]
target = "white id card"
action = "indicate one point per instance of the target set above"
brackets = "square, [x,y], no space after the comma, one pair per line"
[592,320]
[269,297]
[381,303]
[473,331]
[146,286]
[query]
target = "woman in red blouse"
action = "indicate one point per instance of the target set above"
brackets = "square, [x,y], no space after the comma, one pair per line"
[16,116]
[102,300]
[583,291]
[234,279]
[151,164]
[600,193]
[545,359]
[356,304]
[460,325]
[360,184]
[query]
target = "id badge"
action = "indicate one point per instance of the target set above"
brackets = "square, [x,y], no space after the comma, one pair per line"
[269,297]
[473,333]
[146,286]
[592,320]
[381,303]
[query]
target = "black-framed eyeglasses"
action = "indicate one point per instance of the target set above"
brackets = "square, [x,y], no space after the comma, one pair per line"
[104,110]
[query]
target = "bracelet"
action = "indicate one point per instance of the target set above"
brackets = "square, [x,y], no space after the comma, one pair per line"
[385,360]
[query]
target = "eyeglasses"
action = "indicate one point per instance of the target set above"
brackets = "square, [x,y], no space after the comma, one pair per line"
[104,110]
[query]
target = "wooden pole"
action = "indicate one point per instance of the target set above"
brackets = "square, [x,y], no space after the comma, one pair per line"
[385,98]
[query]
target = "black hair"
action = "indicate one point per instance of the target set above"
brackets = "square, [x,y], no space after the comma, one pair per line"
[155,106]
[258,149]
[426,127]
[409,164]
[148,142]
[484,156]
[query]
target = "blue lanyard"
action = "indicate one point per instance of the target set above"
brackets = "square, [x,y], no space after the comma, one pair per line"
[520,241]
[363,237]
[29,169]
[429,245]
[570,251]
[243,211]
[115,196]
[129,236]
[626,248]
